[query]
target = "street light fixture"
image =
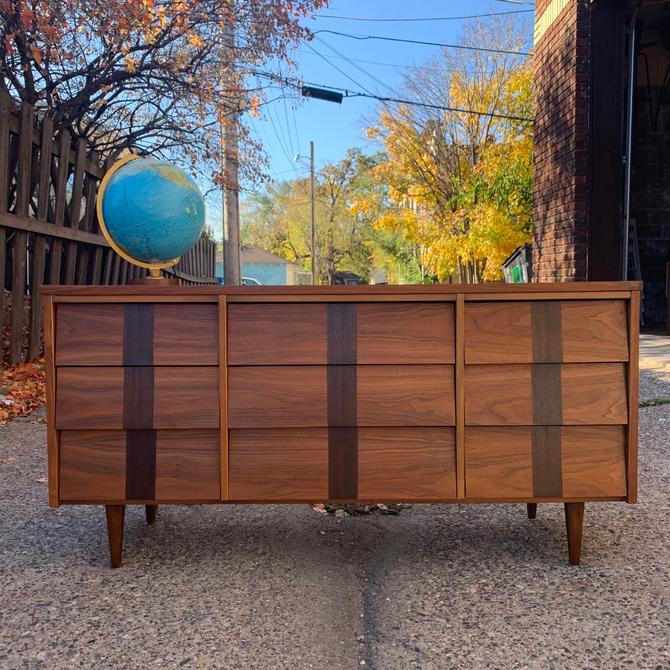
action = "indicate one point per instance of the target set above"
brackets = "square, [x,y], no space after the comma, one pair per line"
[319,93]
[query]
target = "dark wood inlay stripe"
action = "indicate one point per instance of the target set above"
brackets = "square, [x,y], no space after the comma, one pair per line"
[342,462]
[547,397]
[138,397]
[342,432]
[342,333]
[138,334]
[342,411]
[547,472]
[140,464]
[547,334]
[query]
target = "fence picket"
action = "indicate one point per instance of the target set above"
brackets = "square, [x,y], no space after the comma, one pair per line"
[59,209]
[46,236]
[39,245]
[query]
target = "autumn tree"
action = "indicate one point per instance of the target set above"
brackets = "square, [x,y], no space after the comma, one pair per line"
[462,181]
[349,196]
[145,74]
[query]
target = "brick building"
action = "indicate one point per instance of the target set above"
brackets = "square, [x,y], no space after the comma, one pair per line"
[593,208]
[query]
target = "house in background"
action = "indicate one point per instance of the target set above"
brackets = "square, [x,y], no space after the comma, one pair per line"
[261,265]
[602,144]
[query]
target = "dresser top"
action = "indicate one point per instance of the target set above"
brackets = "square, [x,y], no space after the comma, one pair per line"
[375,290]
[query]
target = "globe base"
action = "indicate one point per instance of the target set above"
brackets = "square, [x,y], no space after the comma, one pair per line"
[158,281]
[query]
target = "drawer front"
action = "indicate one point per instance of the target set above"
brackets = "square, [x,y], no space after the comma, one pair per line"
[160,465]
[569,331]
[278,464]
[303,464]
[137,334]
[545,461]
[364,395]
[546,394]
[406,464]
[313,334]
[405,395]
[137,397]
[277,397]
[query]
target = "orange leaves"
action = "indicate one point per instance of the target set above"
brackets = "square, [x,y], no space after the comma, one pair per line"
[22,389]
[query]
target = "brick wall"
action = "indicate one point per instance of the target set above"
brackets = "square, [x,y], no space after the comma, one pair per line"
[560,191]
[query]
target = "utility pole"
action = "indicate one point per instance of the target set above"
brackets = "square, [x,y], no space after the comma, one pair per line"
[230,166]
[311,202]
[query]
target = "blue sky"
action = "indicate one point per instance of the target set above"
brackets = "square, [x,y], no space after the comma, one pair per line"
[287,126]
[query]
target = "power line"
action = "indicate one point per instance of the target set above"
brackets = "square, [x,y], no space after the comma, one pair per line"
[340,70]
[432,44]
[395,65]
[353,64]
[518,2]
[427,18]
[401,101]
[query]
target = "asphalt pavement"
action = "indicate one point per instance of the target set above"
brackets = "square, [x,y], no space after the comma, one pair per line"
[267,587]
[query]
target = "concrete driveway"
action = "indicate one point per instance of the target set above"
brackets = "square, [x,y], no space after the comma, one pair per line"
[283,587]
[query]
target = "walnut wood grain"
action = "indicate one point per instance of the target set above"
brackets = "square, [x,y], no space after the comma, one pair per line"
[405,333]
[498,462]
[93,334]
[279,464]
[273,334]
[503,394]
[186,397]
[502,332]
[379,291]
[93,397]
[574,523]
[115,517]
[186,334]
[508,462]
[296,334]
[53,447]
[406,395]
[593,461]
[277,397]
[633,384]
[187,465]
[92,465]
[406,463]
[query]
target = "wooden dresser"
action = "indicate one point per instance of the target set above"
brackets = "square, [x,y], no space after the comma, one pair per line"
[488,393]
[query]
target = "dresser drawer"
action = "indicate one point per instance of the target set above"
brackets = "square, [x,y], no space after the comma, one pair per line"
[137,334]
[340,333]
[545,461]
[546,394]
[388,464]
[161,465]
[364,395]
[278,464]
[137,397]
[406,463]
[569,331]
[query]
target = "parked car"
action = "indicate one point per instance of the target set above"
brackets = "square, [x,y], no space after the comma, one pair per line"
[250,281]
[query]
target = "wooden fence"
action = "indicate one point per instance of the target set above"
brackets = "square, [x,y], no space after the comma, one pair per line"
[49,232]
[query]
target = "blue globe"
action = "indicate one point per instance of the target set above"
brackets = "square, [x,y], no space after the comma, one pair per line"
[153,210]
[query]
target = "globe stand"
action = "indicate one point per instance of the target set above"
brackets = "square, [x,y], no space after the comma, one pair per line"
[150,281]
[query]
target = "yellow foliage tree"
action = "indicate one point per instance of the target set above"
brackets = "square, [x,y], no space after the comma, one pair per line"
[461,182]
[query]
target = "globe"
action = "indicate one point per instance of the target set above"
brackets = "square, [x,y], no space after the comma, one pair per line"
[151,210]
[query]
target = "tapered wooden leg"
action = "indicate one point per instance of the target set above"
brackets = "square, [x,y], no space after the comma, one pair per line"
[115,516]
[531,508]
[574,521]
[151,512]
